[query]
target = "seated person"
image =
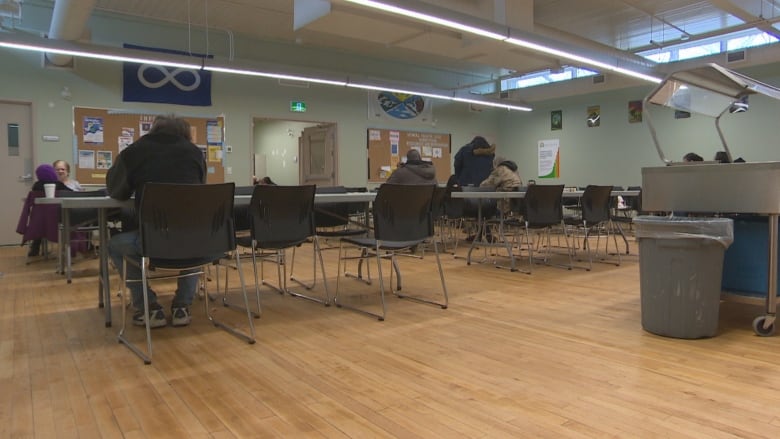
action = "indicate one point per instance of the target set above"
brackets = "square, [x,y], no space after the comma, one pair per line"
[63,172]
[504,178]
[414,171]
[45,174]
[692,157]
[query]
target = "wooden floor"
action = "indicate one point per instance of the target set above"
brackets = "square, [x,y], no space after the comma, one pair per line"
[554,354]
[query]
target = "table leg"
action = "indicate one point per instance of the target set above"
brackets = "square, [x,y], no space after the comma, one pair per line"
[104,287]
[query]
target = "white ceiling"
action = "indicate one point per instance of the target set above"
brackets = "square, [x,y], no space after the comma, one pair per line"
[609,28]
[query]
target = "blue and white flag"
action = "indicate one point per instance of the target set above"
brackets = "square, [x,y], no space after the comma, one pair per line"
[165,85]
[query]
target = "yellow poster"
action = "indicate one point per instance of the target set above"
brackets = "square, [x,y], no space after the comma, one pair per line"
[215,153]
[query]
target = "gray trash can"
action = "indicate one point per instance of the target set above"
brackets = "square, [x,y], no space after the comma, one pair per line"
[680,269]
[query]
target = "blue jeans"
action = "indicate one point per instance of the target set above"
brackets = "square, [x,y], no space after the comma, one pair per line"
[129,244]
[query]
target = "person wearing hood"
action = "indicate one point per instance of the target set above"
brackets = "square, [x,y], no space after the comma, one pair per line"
[473,162]
[45,174]
[504,178]
[414,171]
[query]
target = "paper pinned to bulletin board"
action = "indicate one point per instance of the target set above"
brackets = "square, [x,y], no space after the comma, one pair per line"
[387,149]
[102,134]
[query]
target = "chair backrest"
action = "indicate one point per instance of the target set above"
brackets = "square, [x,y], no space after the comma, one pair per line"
[543,205]
[282,216]
[438,203]
[471,205]
[241,213]
[186,221]
[596,204]
[402,212]
[453,207]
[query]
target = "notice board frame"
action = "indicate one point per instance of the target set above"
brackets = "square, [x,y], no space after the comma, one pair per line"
[387,147]
[100,133]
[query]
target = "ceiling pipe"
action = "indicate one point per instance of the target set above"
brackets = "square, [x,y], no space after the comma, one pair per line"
[69,23]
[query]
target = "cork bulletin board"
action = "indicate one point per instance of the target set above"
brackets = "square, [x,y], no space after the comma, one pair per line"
[101,134]
[386,148]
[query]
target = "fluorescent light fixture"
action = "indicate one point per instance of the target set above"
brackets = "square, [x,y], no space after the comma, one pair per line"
[247,72]
[431,19]
[581,59]
[98,55]
[477,30]
[76,49]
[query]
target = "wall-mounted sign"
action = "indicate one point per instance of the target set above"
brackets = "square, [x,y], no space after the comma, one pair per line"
[298,106]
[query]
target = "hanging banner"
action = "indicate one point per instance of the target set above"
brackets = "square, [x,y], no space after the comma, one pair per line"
[165,85]
[549,158]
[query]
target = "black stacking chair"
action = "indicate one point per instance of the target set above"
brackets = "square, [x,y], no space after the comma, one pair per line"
[242,222]
[543,213]
[595,216]
[281,217]
[402,220]
[331,221]
[626,215]
[183,227]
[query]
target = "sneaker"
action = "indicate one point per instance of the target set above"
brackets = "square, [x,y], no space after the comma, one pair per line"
[157,319]
[181,316]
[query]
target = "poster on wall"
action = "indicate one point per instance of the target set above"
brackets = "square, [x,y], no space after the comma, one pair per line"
[593,117]
[93,130]
[549,158]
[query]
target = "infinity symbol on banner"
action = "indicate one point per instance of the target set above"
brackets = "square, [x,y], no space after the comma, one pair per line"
[168,77]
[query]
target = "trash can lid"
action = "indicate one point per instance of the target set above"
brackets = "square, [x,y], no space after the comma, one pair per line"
[664,227]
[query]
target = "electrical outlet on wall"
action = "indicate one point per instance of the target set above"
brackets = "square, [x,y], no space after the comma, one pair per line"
[229,148]
[229,170]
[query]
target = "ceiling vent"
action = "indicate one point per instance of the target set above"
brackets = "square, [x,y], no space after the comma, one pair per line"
[599,79]
[736,56]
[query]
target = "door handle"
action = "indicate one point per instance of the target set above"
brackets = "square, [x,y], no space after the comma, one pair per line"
[27,177]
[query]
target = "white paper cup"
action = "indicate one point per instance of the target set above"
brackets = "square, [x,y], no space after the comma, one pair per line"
[49,189]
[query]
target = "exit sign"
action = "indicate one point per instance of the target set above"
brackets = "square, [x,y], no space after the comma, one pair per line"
[298,106]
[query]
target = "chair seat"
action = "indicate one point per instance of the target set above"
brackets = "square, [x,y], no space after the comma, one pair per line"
[340,233]
[180,264]
[246,241]
[385,245]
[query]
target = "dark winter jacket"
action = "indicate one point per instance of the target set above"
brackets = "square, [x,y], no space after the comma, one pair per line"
[474,161]
[414,172]
[159,158]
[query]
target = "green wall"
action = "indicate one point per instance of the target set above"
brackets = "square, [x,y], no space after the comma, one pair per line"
[613,153]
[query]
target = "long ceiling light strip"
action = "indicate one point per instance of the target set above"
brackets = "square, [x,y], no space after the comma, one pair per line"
[453,24]
[169,60]
[97,55]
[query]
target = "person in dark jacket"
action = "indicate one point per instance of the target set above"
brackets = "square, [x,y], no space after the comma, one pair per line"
[44,174]
[166,155]
[414,171]
[474,161]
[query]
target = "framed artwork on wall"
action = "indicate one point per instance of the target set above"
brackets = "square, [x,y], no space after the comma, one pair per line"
[634,111]
[556,120]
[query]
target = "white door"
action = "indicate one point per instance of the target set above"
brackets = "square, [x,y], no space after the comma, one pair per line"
[318,155]
[16,166]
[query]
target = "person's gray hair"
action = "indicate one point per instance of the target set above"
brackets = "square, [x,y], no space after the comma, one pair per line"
[171,125]
[413,155]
